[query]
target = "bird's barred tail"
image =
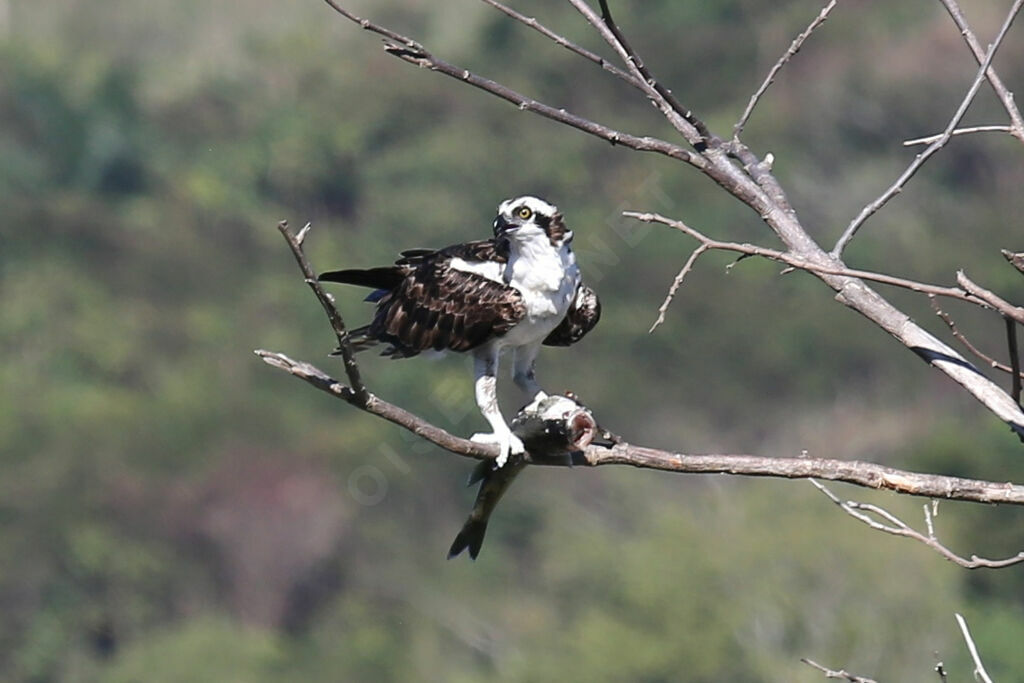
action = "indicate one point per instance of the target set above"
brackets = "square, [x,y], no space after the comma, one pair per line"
[471,537]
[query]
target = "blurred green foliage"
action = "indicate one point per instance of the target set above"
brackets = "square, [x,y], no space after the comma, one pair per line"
[173,510]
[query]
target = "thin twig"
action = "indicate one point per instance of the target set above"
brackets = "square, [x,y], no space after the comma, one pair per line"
[921,158]
[783,60]
[348,355]
[687,267]
[959,131]
[991,298]
[1004,95]
[856,472]
[1011,343]
[960,337]
[379,407]
[1016,259]
[979,668]
[682,119]
[897,527]
[566,43]
[832,673]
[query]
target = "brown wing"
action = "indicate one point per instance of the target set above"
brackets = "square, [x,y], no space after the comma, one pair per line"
[438,307]
[583,315]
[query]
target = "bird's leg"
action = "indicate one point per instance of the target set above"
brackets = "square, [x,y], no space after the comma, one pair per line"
[485,366]
[523,373]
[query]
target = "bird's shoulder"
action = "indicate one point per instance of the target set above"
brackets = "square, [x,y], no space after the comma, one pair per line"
[476,251]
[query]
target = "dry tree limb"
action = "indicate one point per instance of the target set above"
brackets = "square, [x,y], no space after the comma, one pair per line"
[410,51]
[1016,259]
[897,527]
[998,303]
[1002,92]
[960,337]
[348,355]
[379,407]
[559,39]
[934,147]
[676,283]
[707,243]
[959,131]
[682,118]
[1011,343]
[866,474]
[979,668]
[783,60]
[851,291]
[840,673]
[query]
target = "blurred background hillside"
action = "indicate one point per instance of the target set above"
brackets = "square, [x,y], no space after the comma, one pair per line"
[171,509]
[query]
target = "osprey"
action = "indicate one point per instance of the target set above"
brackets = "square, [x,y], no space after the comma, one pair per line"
[514,292]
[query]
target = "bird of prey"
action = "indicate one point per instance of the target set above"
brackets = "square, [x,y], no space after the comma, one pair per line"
[514,292]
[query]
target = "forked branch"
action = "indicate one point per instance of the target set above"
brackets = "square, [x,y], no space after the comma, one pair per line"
[935,146]
[891,524]
[794,47]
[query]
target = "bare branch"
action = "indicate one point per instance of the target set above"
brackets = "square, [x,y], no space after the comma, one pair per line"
[337,323]
[687,267]
[1011,343]
[895,526]
[804,264]
[959,131]
[861,473]
[413,52]
[921,158]
[693,129]
[994,300]
[379,407]
[783,60]
[567,44]
[841,673]
[853,292]
[979,668]
[1015,259]
[959,336]
[1005,96]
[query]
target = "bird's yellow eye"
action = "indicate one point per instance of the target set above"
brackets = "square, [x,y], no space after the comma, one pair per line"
[524,212]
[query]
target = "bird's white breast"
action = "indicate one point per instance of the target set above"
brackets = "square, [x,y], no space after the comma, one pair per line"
[546,275]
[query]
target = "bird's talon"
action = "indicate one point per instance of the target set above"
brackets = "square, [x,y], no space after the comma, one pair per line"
[510,444]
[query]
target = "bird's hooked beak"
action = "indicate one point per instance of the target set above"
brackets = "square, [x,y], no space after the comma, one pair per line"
[502,226]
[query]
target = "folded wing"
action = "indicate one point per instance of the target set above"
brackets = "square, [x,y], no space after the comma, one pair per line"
[584,312]
[423,303]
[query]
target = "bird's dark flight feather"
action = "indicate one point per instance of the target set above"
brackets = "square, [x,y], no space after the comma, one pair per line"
[423,303]
[377,278]
[582,316]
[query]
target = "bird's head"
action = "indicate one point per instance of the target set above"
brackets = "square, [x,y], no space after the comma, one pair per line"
[526,219]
